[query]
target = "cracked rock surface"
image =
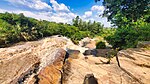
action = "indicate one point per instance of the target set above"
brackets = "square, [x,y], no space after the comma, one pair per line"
[17,63]
[46,62]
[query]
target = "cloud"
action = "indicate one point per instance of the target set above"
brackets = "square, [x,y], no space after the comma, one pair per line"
[93,15]
[57,12]
[87,14]
[98,8]
[49,16]
[3,11]
[63,17]
[60,13]
[59,7]
[33,4]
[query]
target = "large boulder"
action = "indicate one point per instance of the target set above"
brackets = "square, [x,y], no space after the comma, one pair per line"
[23,63]
[88,43]
[52,73]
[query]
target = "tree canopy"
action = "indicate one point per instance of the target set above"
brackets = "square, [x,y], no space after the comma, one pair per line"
[93,27]
[132,17]
[123,12]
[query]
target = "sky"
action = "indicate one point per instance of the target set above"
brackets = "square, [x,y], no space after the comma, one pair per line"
[56,10]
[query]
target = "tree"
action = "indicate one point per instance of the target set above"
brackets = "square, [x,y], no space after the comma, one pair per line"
[123,12]
[76,21]
[93,27]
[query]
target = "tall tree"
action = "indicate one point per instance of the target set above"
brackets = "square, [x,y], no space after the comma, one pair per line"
[76,21]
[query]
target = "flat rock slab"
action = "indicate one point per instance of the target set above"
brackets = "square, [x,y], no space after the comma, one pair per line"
[77,69]
[137,63]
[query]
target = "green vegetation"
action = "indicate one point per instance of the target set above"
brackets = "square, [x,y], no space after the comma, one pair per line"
[15,28]
[132,19]
[129,37]
[125,12]
[100,45]
[94,28]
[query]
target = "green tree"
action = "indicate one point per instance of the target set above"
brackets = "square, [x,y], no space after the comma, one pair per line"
[123,12]
[76,21]
[128,37]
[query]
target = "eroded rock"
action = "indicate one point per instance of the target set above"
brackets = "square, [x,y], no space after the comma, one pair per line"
[17,63]
[45,62]
[52,73]
[76,70]
[74,54]
[136,62]
[90,79]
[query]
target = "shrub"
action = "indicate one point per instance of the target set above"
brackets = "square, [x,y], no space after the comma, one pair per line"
[100,45]
[128,37]
[80,35]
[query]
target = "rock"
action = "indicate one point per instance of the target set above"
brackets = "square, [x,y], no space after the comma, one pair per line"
[16,66]
[136,62]
[52,73]
[76,70]
[22,63]
[84,42]
[99,52]
[91,45]
[74,54]
[90,52]
[88,43]
[71,46]
[90,79]
[45,62]
[143,44]
[103,52]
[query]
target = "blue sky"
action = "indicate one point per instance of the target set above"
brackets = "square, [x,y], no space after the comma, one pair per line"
[56,10]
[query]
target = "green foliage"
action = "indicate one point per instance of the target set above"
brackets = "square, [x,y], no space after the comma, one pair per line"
[132,18]
[80,35]
[15,28]
[124,12]
[93,27]
[106,32]
[128,37]
[100,45]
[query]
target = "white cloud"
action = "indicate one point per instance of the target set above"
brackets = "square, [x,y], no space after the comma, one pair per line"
[60,13]
[59,7]
[93,15]
[98,9]
[49,16]
[87,14]
[63,17]
[104,21]
[34,4]
[3,11]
